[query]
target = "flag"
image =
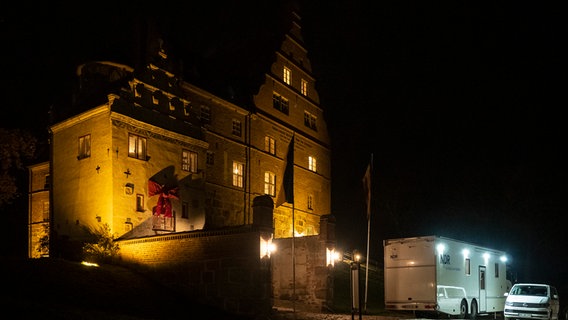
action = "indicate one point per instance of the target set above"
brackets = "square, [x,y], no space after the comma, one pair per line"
[286,193]
[367,189]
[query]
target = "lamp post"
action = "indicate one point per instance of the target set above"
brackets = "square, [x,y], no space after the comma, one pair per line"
[355,287]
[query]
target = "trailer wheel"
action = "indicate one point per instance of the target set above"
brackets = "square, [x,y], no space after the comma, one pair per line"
[473,314]
[463,309]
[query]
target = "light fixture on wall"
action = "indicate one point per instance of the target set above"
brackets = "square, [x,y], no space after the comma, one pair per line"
[266,247]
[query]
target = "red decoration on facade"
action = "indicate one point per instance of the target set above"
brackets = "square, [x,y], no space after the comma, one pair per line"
[164,205]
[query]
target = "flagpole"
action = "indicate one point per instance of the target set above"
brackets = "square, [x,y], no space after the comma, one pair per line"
[368,240]
[293,261]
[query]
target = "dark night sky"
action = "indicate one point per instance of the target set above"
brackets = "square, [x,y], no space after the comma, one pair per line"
[459,103]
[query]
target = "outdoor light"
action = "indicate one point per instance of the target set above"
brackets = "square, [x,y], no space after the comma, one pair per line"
[266,248]
[440,248]
[465,253]
[503,258]
[357,256]
[331,256]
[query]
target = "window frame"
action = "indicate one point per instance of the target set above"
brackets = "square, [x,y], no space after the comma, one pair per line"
[287,75]
[139,142]
[189,161]
[84,147]
[312,163]
[238,174]
[270,145]
[270,183]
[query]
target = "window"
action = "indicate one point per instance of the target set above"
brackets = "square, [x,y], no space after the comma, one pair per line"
[186,108]
[210,158]
[140,202]
[496,270]
[280,103]
[270,145]
[286,75]
[269,183]
[155,99]
[304,87]
[310,202]
[237,128]
[128,225]
[84,147]
[189,161]
[137,147]
[205,114]
[172,106]
[238,174]
[184,210]
[310,120]
[467,266]
[312,164]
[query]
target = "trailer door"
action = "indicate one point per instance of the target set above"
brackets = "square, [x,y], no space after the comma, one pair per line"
[482,291]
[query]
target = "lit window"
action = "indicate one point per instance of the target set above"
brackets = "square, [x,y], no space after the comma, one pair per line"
[310,120]
[189,161]
[310,202]
[155,100]
[304,87]
[269,183]
[238,169]
[172,107]
[286,75]
[137,147]
[312,165]
[269,145]
[205,114]
[140,203]
[237,128]
[84,147]
[280,103]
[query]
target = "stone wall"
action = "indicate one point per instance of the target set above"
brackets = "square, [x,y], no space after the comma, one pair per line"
[220,268]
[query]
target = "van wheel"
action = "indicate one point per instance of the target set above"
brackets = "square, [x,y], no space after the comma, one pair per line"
[463,309]
[473,314]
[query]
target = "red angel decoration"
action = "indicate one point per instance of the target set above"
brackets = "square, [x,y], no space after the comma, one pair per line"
[164,206]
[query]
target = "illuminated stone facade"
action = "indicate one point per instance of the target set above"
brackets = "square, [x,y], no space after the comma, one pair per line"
[145,140]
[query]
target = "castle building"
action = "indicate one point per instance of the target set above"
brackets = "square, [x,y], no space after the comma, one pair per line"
[151,155]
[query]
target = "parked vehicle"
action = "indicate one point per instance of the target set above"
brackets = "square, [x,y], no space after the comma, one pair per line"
[435,274]
[532,301]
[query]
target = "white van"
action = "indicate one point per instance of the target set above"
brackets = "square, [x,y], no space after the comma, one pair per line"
[532,301]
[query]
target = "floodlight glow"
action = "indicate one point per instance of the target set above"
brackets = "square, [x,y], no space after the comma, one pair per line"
[331,256]
[89,264]
[266,248]
[441,248]
[465,253]
[503,258]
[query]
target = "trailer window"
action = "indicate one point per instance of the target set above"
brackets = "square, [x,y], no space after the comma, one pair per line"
[467,267]
[496,270]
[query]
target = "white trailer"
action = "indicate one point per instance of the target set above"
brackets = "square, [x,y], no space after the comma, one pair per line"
[434,274]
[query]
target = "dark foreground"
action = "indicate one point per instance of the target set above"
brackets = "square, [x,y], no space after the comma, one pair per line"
[61,289]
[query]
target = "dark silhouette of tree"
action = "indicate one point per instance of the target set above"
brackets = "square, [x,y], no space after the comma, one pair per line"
[16,148]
